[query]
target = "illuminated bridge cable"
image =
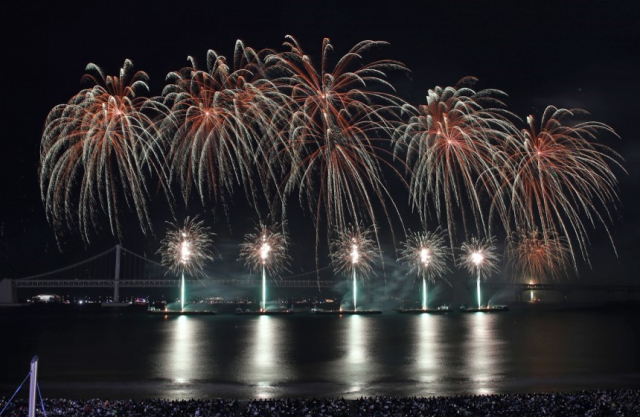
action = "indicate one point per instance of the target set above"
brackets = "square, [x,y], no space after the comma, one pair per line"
[44,411]
[144,259]
[153,264]
[306,273]
[66,268]
[14,394]
[167,269]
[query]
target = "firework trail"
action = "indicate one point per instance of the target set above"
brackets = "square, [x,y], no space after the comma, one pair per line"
[451,143]
[479,257]
[94,150]
[557,175]
[266,249]
[186,249]
[332,155]
[426,255]
[215,121]
[353,251]
[538,256]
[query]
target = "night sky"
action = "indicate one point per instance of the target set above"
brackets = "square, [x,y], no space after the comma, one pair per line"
[583,54]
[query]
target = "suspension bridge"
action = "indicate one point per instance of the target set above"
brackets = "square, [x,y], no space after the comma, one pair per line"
[119,267]
[565,289]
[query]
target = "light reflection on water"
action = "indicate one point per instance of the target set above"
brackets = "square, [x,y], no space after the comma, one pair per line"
[303,355]
[482,351]
[426,355]
[357,342]
[357,368]
[181,359]
[186,354]
[265,364]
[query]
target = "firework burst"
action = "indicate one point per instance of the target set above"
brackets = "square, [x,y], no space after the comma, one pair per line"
[556,173]
[354,251]
[186,249]
[215,121]
[266,248]
[426,254]
[479,257]
[451,142]
[332,153]
[94,150]
[539,256]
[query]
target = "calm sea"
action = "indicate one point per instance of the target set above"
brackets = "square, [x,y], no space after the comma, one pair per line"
[139,356]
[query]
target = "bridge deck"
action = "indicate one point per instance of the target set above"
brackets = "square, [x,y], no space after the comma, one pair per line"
[251,283]
[164,283]
[566,287]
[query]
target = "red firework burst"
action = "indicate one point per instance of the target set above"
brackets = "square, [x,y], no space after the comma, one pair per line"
[452,143]
[94,150]
[557,176]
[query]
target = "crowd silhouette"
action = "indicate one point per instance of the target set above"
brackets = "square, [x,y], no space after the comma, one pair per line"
[598,403]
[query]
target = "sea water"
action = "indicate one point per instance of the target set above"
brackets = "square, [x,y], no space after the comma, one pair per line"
[142,356]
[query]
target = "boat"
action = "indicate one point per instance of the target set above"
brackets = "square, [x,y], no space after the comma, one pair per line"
[46,299]
[279,312]
[321,312]
[443,309]
[495,308]
[181,313]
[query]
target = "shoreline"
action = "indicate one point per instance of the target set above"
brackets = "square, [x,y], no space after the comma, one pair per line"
[230,309]
[175,391]
[601,402]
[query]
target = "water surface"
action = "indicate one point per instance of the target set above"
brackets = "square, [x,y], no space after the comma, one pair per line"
[138,356]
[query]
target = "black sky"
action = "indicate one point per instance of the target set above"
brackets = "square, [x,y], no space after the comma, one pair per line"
[567,53]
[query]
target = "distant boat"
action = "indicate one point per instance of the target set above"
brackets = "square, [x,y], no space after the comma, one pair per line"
[489,309]
[46,299]
[181,313]
[321,312]
[443,309]
[276,312]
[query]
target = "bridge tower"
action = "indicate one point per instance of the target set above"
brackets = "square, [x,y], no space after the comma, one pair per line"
[116,277]
[7,292]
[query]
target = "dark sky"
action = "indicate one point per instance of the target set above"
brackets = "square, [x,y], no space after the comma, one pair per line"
[567,53]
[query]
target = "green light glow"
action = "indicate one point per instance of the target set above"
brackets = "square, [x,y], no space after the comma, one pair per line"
[264,289]
[355,291]
[182,293]
[478,285]
[424,294]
